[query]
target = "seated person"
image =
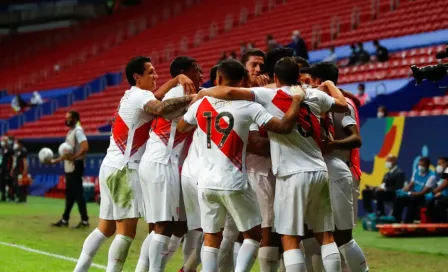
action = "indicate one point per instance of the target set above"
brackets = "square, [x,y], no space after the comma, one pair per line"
[393,180]
[438,200]
[413,195]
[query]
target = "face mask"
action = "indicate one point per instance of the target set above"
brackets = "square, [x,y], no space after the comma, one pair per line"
[388,165]
[380,114]
[10,142]
[421,169]
[439,169]
[3,144]
[16,147]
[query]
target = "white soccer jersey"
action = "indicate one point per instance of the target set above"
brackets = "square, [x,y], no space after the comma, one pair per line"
[223,129]
[130,130]
[300,150]
[337,160]
[165,142]
[191,166]
[256,163]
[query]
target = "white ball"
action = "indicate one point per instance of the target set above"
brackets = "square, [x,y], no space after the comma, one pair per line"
[65,150]
[45,154]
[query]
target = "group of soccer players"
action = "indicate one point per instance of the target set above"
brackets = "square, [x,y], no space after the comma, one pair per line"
[177,157]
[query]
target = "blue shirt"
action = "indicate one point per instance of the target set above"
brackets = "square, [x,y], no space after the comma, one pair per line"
[421,181]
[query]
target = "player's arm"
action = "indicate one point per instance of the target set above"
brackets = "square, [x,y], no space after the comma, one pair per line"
[340,105]
[25,165]
[188,122]
[184,126]
[180,79]
[258,145]
[287,123]
[352,141]
[352,97]
[157,107]
[228,93]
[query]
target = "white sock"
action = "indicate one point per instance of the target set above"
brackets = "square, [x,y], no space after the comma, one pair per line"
[89,249]
[158,252]
[143,260]
[173,245]
[210,259]
[118,252]
[247,255]
[236,250]
[354,257]
[195,258]
[331,258]
[268,258]
[311,247]
[282,267]
[190,243]
[294,261]
[225,256]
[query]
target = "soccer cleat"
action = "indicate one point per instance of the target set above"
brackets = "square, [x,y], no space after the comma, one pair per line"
[82,224]
[60,223]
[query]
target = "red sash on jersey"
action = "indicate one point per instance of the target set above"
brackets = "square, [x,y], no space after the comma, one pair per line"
[308,123]
[328,126]
[355,156]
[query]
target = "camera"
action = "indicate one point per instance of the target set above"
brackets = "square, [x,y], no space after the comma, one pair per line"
[431,72]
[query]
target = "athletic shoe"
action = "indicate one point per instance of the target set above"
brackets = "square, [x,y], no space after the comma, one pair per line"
[82,224]
[60,223]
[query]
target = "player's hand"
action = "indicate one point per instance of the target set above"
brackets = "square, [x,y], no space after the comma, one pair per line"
[297,93]
[328,145]
[187,83]
[196,97]
[325,85]
[260,81]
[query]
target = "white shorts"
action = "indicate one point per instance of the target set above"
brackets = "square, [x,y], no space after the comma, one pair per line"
[264,187]
[120,193]
[303,198]
[191,202]
[341,195]
[161,189]
[241,205]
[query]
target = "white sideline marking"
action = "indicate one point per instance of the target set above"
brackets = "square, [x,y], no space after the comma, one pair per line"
[49,254]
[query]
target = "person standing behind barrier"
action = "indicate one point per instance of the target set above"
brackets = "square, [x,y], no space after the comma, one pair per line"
[5,168]
[74,171]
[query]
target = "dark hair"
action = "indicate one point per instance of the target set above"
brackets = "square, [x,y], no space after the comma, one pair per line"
[323,71]
[275,55]
[180,64]
[252,52]
[302,61]
[75,115]
[360,45]
[425,160]
[213,74]
[362,85]
[375,42]
[136,66]
[445,159]
[232,71]
[386,113]
[352,46]
[287,71]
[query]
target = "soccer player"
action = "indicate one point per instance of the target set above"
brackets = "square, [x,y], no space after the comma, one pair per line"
[223,187]
[159,173]
[254,60]
[121,201]
[260,175]
[342,137]
[301,193]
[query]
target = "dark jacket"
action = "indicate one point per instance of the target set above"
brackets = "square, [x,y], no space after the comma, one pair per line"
[394,179]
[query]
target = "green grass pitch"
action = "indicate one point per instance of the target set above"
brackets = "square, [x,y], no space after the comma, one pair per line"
[29,225]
